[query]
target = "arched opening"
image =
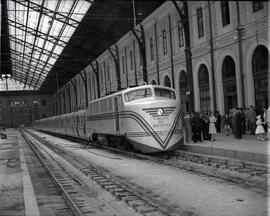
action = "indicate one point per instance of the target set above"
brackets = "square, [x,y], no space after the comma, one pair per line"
[153,82]
[204,89]
[183,91]
[167,81]
[229,83]
[260,72]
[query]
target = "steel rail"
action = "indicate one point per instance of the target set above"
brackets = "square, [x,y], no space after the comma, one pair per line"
[66,196]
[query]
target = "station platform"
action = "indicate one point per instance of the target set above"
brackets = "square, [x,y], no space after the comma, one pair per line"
[248,148]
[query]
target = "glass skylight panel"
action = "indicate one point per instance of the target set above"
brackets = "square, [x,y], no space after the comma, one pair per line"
[36,44]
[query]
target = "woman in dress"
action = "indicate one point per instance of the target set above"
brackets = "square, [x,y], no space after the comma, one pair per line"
[212,126]
[259,129]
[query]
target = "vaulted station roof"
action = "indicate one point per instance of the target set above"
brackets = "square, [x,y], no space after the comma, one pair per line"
[49,39]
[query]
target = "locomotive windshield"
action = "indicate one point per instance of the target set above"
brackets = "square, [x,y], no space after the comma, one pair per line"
[138,94]
[160,92]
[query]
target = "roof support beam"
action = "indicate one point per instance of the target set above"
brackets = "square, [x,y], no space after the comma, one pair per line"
[42,35]
[62,30]
[50,13]
[115,54]
[34,43]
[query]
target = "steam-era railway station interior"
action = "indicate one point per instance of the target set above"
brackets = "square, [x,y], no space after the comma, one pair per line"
[133,107]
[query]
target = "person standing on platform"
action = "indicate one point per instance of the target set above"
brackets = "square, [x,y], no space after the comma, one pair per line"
[197,124]
[252,120]
[268,121]
[238,125]
[264,119]
[259,129]
[212,126]
[187,127]
[218,122]
[205,128]
[243,121]
[227,123]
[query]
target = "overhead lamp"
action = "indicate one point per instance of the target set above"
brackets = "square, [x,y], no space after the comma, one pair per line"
[6,76]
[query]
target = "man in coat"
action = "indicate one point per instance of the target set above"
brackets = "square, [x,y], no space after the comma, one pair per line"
[187,127]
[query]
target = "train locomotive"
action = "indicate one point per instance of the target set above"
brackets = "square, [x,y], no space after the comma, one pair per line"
[145,118]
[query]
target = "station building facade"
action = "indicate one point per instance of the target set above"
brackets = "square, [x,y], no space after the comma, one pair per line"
[229,46]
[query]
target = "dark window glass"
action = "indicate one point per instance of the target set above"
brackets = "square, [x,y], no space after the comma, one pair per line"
[259,60]
[108,71]
[131,60]
[200,22]
[167,81]
[257,5]
[228,68]
[160,92]
[123,64]
[183,81]
[164,42]
[138,94]
[180,34]
[153,82]
[151,49]
[225,12]
[43,102]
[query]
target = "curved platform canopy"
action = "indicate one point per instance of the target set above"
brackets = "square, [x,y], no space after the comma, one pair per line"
[47,42]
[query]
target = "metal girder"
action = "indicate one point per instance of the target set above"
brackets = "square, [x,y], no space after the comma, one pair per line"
[34,32]
[63,28]
[28,57]
[48,12]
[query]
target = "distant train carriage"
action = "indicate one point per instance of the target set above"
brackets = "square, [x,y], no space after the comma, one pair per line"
[146,118]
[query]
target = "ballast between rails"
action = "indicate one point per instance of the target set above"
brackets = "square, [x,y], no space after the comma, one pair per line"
[145,118]
[68,199]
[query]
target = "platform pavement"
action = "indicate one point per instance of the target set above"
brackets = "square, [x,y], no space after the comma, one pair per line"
[248,148]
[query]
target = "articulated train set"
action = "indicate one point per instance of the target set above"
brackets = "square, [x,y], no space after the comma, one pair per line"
[145,118]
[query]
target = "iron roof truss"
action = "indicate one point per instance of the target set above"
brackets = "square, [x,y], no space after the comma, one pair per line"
[39,30]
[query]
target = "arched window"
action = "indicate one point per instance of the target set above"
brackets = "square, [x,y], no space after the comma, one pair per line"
[229,83]
[260,72]
[228,68]
[153,82]
[204,89]
[167,81]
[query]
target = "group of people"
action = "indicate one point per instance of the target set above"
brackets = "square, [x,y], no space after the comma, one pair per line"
[237,121]
[199,127]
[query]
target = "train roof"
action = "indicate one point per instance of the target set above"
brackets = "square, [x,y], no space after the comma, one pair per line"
[129,89]
[64,115]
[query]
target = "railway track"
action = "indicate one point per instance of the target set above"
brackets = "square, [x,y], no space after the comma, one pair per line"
[62,183]
[136,197]
[245,173]
[237,171]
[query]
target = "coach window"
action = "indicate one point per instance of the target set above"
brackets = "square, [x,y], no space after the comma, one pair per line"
[160,92]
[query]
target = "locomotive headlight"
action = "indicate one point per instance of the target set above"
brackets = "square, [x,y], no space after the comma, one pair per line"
[160,112]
